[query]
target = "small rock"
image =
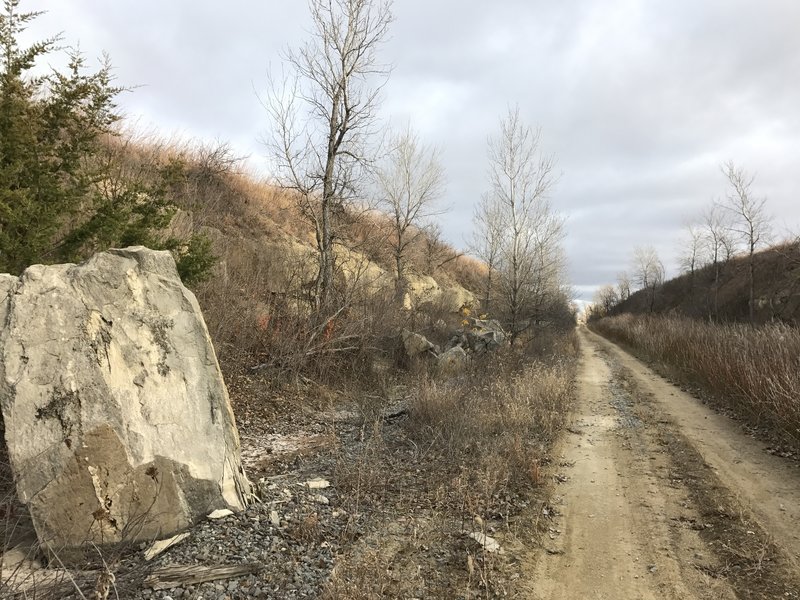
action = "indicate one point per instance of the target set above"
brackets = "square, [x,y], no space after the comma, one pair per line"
[320,499]
[220,513]
[159,546]
[488,543]
[317,484]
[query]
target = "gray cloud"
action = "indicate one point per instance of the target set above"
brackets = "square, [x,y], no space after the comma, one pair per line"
[640,101]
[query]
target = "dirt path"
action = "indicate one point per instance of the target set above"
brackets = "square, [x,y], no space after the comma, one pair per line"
[767,485]
[655,496]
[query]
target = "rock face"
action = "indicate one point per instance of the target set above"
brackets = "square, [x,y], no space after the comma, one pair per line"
[424,291]
[117,420]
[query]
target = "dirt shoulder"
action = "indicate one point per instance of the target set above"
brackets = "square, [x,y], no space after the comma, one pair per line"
[662,498]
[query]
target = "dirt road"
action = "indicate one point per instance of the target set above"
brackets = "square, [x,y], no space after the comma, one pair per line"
[663,498]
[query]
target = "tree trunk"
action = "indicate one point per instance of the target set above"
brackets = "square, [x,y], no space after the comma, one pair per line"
[752,287]
[324,280]
[716,291]
[399,283]
[487,296]
[324,283]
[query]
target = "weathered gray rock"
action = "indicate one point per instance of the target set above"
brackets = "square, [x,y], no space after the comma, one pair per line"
[117,420]
[453,359]
[416,345]
[484,335]
[423,291]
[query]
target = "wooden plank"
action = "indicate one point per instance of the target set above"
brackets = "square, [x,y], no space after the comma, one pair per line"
[173,576]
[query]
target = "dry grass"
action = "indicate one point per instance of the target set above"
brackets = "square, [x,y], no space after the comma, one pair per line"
[468,457]
[512,416]
[502,415]
[754,371]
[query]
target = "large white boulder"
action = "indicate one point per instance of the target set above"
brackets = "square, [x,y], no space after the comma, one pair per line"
[117,420]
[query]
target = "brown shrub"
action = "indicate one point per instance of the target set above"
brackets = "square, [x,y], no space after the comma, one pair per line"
[501,418]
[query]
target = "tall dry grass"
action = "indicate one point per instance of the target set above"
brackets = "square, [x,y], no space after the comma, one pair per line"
[754,371]
[467,457]
[501,417]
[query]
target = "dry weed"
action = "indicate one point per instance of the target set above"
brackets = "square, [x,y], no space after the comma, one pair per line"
[754,371]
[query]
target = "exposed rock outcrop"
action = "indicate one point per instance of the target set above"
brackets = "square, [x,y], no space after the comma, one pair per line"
[117,420]
[424,291]
[484,335]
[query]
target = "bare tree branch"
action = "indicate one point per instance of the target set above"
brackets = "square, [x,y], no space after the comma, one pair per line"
[751,223]
[410,182]
[323,117]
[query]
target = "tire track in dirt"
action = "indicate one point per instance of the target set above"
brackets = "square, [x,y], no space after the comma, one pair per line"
[625,530]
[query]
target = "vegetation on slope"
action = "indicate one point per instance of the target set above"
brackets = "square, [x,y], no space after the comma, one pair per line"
[730,272]
[720,292]
[63,196]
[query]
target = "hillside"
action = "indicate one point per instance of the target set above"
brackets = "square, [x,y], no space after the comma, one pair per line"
[256,299]
[349,425]
[722,291]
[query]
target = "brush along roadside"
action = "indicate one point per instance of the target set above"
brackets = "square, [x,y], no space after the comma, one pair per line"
[416,501]
[451,488]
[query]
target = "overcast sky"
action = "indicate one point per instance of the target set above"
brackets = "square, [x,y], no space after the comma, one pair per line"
[640,101]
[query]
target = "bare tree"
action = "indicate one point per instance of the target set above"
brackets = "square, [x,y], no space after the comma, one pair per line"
[323,114]
[648,271]
[750,220]
[529,254]
[605,299]
[691,248]
[691,251]
[486,241]
[718,246]
[623,286]
[410,182]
